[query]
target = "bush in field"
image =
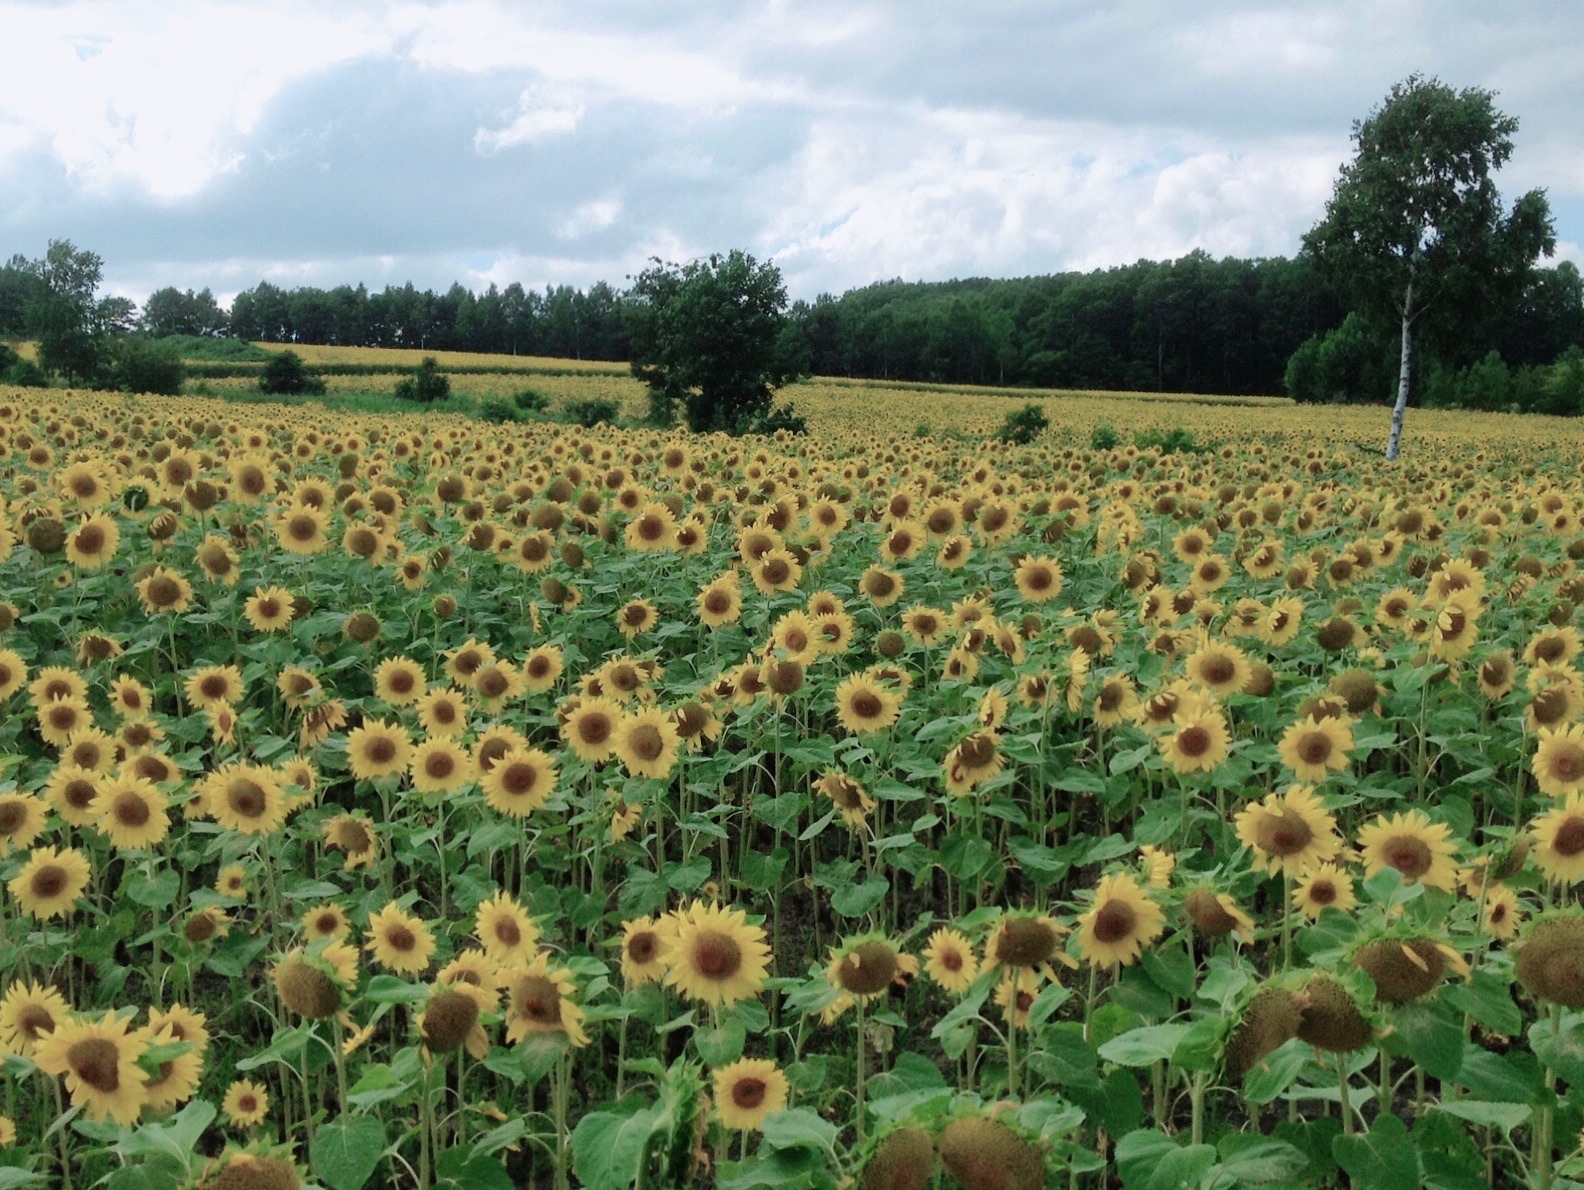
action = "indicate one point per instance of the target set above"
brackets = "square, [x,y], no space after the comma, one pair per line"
[1024,425]
[287,375]
[148,366]
[591,411]
[426,385]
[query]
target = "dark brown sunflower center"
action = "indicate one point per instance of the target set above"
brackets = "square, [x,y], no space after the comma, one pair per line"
[748,1093]
[539,1000]
[380,750]
[1194,741]
[34,1021]
[641,947]
[977,751]
[646,742]
[952,960]
[399,937]
[507,932]
[867,705]
[439,765]
[1284,833]
[1567,764]
[49,881]
[1026,943]
[1570,838]
[96,1062]
[247,799]
[1323,892]
[594,729]
[1114,922]
[12,816]
[1409,855]
[131,810]
[1218,671]
[1314,748]
[717,956]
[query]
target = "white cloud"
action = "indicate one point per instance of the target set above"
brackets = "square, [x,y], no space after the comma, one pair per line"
[596,215]
[542,112]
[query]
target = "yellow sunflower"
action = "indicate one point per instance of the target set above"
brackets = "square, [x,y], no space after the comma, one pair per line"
[377,749]
[1558,764]
[506,930]
[715,956]
[1288,832]
[539,1000]
[50,882]
[399,941]
[949,960]
[642,950]
[353,835]
[647,743]
[590,729]
[1503,912]
[864,706]
[99,1060]
[440,765]
[1313,748]
[21,821]
[1198,740]
[1119,923]
[164,590]
[520,782]
[399,681]
[1323,887]
[1558,837]
[748,1091]
[245,1104]
[246,798]
[270,609]
[1419,849]
[28,1014]
[131,811]
[327,922]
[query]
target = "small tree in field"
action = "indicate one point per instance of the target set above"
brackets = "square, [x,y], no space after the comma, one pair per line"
[1415,235]
[286,373]
[707,338]
[426,385]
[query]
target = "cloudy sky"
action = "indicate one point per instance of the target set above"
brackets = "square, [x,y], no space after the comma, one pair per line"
[211,142]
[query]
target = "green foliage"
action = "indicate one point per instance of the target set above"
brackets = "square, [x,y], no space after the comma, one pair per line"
[426,385]
[708,338]
[23,373]
[147,366]
[499,410]
[170,311]
[781,418]
[1349,363]
[531,401]
[1023,426]
[1176,440]
[287,375]
[217,349]
[526,405]
[591,411]
[1104,438]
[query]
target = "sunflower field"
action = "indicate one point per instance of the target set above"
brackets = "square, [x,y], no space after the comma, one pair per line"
[409,801]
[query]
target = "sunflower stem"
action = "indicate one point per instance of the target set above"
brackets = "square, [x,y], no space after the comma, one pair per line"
[562,1078]
[1196,1094]
[1012,1052]
[861,1059]
[1542,1157]
[65,1154]
[1342,1094]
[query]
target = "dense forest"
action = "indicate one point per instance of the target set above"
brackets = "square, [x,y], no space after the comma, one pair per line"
[1195,324]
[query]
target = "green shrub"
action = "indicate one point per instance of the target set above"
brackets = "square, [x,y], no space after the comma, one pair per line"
[1024,425]
[499,410]
[426,385]
[287,375]
[531,401]
[591,411]
[1104,438]
[1176,440]
[147,366]
[23,373]
[779,417]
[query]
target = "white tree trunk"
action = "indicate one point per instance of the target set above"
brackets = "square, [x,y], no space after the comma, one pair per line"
[1394,443]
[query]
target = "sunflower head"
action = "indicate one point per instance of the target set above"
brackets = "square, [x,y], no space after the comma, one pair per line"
[1268,1021]
[448,1019]
[307,986]
[1024,939]
[902,1159]
[983,1152]
[1405,966]
[864,966]
[1332,1018]
[1550,963]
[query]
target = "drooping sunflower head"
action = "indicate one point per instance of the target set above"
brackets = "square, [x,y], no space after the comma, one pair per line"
[865,966]
[308,985]
[1405,965]
[900,1159]
[448,1018]
[1332,1018]
[1268,1020]
[1024,938]
[1550,963]
[984,1152]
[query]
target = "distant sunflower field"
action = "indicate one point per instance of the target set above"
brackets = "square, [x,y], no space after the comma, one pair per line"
[409,801]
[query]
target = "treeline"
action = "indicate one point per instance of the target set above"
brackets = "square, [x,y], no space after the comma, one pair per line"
[1195,324]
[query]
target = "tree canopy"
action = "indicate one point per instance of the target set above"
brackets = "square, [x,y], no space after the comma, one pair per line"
[1415,233]
[709,338]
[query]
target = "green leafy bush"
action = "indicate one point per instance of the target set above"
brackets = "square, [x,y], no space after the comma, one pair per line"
[1024,425]
[426,385]
[591,411]
[147,366]
[1104,438]
[286,374]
